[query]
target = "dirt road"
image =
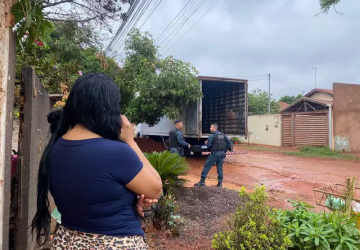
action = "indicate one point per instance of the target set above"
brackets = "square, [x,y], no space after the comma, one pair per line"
[286,177]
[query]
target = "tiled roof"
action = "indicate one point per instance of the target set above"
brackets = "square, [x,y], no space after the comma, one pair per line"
[283,105]
[321,102]
[324,101]
[327,91]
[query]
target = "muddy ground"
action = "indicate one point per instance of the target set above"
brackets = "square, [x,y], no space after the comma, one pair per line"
[286,177]
[205,211]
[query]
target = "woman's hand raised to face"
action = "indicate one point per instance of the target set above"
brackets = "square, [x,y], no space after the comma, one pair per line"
[127,131]
[147,182]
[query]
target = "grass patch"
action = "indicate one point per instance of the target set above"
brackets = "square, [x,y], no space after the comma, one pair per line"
[321,152]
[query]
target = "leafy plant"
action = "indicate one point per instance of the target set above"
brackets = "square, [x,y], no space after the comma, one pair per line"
[164,214]
[71,49]
[175,222]
[155,86]
[236,140]
[169,166]
[310,230]
[290,99]
[258,103]
[29,20]
[349,194]
[326,4]
[253,226]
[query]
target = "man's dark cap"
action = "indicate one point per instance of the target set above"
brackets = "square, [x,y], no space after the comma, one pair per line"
[177,121]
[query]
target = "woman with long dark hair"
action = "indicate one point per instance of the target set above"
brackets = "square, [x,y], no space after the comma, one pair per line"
[94,171]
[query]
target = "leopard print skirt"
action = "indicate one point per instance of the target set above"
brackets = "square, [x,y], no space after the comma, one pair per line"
[66,239]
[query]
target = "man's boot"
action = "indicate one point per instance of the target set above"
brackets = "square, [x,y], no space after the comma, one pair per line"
[219,184]
[201,183]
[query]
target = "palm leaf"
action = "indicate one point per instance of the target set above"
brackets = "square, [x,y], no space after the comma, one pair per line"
[169,166]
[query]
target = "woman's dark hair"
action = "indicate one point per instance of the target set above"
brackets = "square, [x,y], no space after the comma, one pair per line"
[94,103]
[54,118]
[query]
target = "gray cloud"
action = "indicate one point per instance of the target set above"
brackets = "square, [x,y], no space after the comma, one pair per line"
[281,37]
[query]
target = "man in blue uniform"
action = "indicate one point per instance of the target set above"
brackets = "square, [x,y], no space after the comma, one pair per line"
[218,144]
[176,139]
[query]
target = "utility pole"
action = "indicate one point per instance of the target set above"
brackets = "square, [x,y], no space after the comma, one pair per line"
[269,94]
[315,75]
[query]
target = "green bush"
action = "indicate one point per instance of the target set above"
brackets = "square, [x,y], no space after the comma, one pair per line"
[164,214]
[253,226]
[169,166]
[236,139]
[310,230]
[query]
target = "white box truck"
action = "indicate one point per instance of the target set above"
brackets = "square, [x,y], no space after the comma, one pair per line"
[224,102]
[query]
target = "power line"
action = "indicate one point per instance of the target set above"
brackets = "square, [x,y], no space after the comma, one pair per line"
[193,25]
[130,17]
[134,19]
[179,18]
[147,18]
[294,83]
[281,83]
[165,30]
[178,28]
[142,9]
[256,80]
[183,18]
[193,7]
[132,23]
[121,28]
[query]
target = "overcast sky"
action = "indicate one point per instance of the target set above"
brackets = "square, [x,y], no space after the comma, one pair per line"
[257,37]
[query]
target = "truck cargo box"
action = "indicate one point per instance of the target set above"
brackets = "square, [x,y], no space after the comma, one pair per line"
[224,102]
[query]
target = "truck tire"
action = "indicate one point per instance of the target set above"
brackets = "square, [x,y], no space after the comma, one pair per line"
[197,154]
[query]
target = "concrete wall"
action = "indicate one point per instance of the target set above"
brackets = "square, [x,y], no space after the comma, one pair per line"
[347,117]
[7,77]
[264,130]
[322,96]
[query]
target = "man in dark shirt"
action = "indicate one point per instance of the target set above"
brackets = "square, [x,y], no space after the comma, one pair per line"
[218,144]
[176,139]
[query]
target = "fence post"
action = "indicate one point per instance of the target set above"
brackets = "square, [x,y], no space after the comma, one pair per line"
[33,139]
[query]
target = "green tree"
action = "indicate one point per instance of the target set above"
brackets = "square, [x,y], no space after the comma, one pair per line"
[154,87]
[32,18]
[290,99]
[258,103]
[71,49]
[327,4]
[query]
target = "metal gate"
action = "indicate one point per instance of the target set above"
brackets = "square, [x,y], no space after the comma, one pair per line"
[287,130]
[300,129]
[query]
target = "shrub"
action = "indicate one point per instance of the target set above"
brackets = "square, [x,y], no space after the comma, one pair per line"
[253,226]
[310,230]
[169,166]
[164,214]
[235,140]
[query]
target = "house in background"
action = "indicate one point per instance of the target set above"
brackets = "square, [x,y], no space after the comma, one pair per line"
[321,94]
[283,105]
[308,121]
